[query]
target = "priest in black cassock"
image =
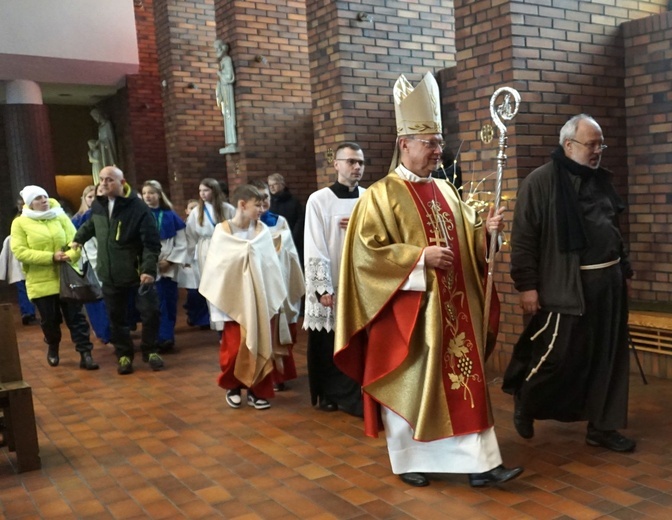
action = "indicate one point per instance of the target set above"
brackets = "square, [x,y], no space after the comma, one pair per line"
[570,265]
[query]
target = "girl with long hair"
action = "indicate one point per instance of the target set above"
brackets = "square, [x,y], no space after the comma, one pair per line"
[173,255]
[212,209]
[96,311]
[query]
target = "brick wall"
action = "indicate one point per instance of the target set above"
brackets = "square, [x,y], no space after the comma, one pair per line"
[137,111]
[648,108]
[485,50]
[354,65]
[273,102]
[185,33]
[448,88]
[563,58]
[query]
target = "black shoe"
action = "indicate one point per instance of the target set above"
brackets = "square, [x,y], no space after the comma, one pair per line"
[356,410]
[524,425]
[166,347]
[27,319]
[52,358]
[497,475]
[610,439]
[328,406]
[414,479]
[87,362]
[280,387]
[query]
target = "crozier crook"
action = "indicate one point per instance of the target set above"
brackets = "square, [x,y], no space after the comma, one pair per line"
[506,111]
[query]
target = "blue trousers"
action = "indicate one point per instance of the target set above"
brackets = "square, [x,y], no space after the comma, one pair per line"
[27,308]
[196,306]
[100,323]
[167,289]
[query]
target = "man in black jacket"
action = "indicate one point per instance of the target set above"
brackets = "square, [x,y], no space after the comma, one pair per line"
[128,252]
[285,204]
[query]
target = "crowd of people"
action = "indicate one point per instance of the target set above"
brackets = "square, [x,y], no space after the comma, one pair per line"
[392,284]
[142,252]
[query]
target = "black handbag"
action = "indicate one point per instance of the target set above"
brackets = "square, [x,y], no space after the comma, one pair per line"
[79,288]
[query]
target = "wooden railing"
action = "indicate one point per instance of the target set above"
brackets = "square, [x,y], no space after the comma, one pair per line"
[16,399]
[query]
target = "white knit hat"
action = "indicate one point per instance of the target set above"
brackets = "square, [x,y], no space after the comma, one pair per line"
[29,193]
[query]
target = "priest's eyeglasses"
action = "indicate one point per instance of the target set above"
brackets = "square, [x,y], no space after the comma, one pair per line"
[591,146]
[433,144]
[352,162]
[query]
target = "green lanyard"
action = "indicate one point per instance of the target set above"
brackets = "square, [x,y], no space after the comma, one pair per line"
[159,220]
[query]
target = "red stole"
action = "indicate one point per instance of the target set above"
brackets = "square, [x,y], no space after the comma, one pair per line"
[463,375]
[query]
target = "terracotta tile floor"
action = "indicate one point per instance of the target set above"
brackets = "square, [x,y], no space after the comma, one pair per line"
[164,445]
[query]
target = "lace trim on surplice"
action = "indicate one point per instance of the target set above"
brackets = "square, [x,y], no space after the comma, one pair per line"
[318,280]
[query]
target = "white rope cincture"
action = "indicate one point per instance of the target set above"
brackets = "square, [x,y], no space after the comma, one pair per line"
[548,320]
[550,346]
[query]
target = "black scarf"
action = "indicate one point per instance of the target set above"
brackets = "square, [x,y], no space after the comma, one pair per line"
[571,232]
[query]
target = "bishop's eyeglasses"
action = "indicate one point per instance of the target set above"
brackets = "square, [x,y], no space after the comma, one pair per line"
[433,144]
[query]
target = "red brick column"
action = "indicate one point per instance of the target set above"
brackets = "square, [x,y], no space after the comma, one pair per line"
[354,63]
[185,33]
[484,63]
[137,111]
[563,61]
[648,110]
[272,91]
[448,87]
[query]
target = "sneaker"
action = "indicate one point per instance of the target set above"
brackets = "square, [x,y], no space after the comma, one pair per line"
[155,361]
[233,398]
[257,402]
[280,387]
[125,366]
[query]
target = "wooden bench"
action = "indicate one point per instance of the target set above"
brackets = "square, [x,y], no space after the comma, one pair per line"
[651,331]
[16,399]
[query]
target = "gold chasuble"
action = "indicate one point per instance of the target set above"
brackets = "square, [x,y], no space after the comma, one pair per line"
[419,353]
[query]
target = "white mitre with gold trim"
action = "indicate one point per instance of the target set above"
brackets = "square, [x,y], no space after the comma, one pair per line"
[417,110]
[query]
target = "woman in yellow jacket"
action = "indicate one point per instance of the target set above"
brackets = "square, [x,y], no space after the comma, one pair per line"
[38,237]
